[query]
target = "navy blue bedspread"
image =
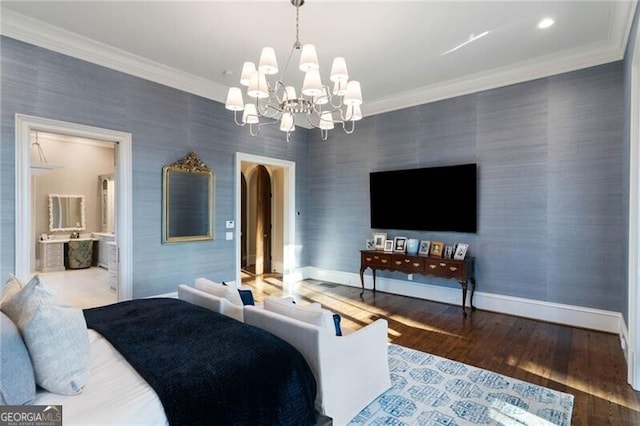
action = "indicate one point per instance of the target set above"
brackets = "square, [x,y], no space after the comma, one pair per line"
[206,368]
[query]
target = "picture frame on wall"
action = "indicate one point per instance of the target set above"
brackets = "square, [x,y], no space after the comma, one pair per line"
[461,251]
[423,248]
[399,244]
[379,239]
[388,246]
[436,249]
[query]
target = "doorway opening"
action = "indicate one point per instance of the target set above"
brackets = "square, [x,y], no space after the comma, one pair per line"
[25,236]
[265,217]
[78,169]
[258,216]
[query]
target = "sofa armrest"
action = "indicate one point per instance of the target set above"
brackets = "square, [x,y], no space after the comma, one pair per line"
[355,370]
[210,301]
[350,371]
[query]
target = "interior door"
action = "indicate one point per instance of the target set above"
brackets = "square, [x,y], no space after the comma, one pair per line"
[263,221]
[243,227]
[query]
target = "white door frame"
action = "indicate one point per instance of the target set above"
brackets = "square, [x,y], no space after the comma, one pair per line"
[633,273]
[289,207]
[24,124]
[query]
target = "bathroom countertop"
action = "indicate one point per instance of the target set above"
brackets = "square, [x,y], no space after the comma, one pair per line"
[104,234]
[66,240]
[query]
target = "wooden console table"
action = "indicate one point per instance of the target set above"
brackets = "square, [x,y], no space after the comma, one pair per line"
[460,270]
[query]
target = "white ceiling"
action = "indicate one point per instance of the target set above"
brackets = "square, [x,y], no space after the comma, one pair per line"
[396,49]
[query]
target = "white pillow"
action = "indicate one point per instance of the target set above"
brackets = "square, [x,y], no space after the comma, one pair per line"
[221,290]
[55,335]
[312,313]
[10,288]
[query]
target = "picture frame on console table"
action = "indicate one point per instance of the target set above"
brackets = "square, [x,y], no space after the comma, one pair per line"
[379,239]
[461,251]
[423,249]
[448,252]
[436,248]
[388,246]
[399,244]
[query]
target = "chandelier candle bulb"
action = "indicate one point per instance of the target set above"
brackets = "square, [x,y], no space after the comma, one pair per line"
[258,86]
[340,88]
[312,85]
[268,63]
[248,68]
[309,58]
[339,70]
[250,114]
[326,121]
[354,113]
[322,99]
[286,123]
[354,94]
[234,99]
[289,93]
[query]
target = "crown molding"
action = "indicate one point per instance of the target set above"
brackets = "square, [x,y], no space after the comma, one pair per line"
[35,32]
[38,33]
[506,76]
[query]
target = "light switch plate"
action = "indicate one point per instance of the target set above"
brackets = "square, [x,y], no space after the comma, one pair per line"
[229,235]
[231,224]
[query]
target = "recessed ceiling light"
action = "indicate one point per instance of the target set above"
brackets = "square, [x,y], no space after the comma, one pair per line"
[545,23]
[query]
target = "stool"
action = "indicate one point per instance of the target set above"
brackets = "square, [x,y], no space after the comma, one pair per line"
[80,254]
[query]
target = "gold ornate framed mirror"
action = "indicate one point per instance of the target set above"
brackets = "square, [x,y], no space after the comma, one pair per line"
[187,201]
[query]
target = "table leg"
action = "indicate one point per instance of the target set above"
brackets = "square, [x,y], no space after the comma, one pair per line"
[373,273]
[463,284]
[473,289]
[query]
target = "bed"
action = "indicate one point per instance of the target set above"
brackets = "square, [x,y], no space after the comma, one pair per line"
[165,361]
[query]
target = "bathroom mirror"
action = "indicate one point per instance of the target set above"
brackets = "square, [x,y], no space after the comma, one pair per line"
[187,201]
[66,213]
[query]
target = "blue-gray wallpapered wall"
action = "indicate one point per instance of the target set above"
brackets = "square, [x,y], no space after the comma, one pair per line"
[631,46]
[551,157]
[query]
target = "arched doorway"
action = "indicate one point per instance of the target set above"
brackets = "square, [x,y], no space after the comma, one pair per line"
[263,221]
[257,226]
[282,231]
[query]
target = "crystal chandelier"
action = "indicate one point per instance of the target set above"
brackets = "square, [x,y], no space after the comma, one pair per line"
[271,101]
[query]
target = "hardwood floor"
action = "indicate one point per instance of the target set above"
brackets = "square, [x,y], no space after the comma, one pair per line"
[587,364]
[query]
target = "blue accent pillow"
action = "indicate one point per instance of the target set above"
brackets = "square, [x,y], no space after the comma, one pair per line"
[336,323]
[17,380]
[246,296]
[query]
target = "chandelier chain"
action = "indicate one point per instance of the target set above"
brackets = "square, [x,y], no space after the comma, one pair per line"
[296,45]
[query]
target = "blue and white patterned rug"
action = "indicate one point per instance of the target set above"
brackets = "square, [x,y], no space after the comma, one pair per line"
[430,390]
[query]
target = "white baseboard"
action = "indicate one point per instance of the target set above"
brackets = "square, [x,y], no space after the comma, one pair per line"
[575,316]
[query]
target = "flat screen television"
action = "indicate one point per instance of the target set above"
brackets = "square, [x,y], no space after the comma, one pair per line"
[426,199]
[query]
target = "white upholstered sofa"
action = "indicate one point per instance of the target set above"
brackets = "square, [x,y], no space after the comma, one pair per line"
[216,302]
[350,370]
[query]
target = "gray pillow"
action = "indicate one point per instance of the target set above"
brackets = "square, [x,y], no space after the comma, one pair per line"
[17,382]
[10,288]
[55,335]
[20,307]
